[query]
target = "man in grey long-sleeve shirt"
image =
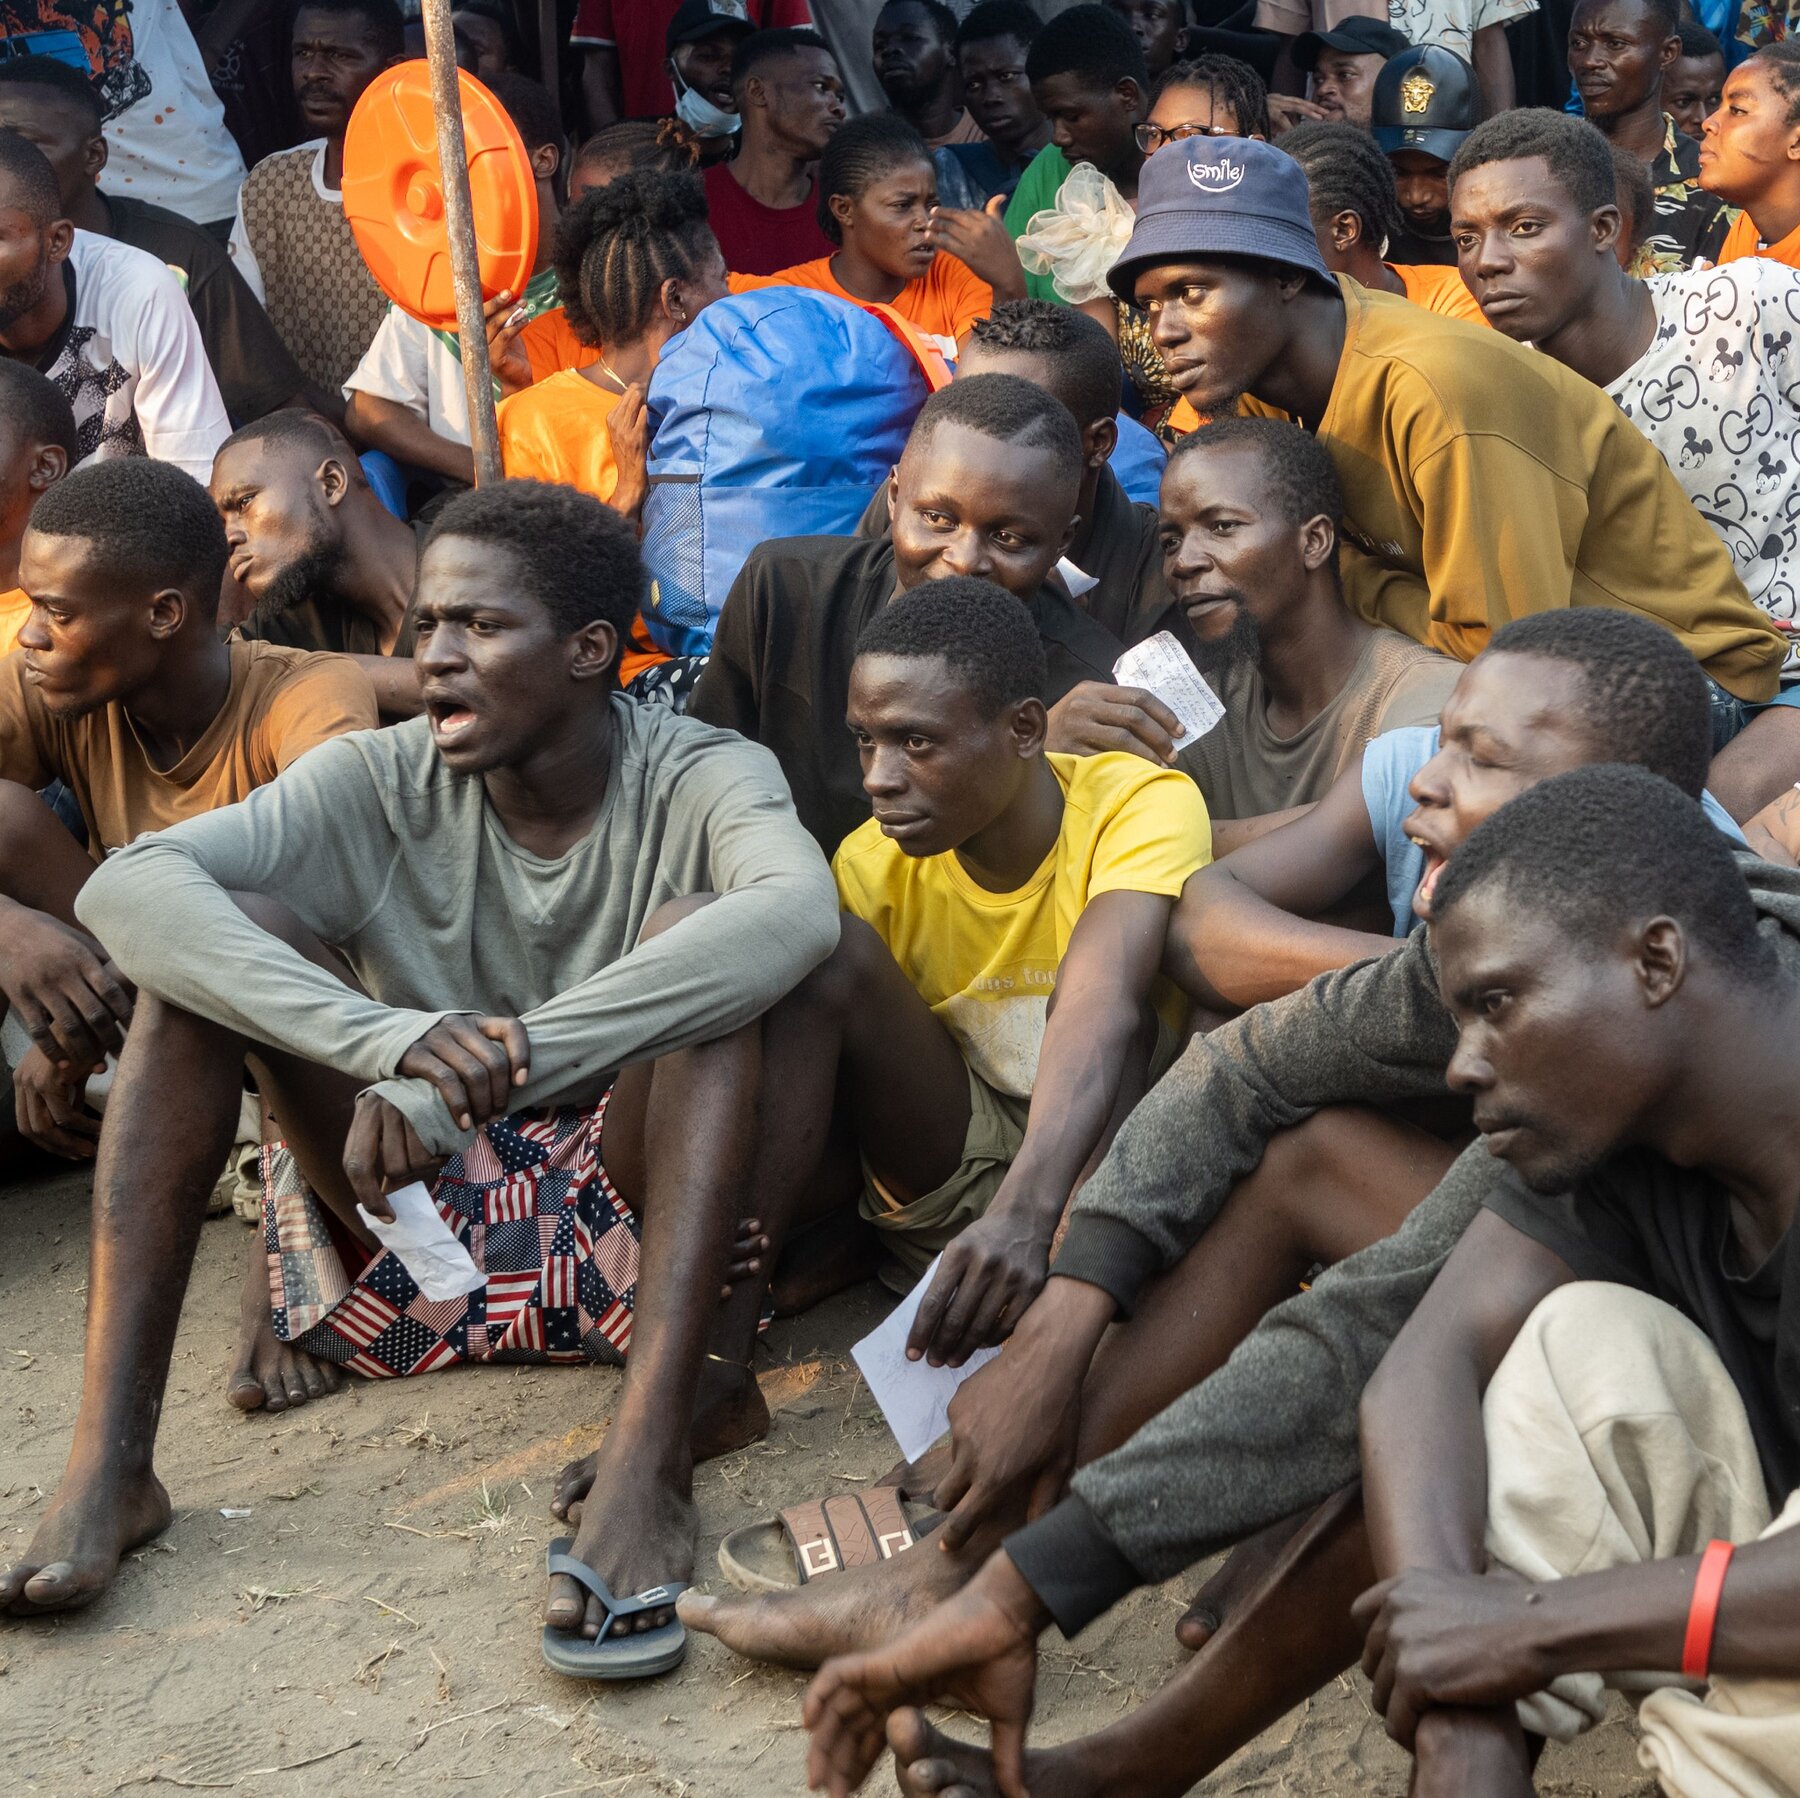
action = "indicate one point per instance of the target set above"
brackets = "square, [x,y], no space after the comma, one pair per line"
[1272,1432]
[549,900]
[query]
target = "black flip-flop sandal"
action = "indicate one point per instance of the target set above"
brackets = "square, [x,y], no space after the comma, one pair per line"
[607,1657]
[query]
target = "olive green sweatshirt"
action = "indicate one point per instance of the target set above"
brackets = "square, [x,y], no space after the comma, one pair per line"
[382,851]
[1483,480]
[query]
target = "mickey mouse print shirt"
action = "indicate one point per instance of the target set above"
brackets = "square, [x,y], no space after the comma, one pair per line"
[1718,393]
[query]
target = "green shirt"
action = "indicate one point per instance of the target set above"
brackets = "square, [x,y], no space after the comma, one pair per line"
[1036,192]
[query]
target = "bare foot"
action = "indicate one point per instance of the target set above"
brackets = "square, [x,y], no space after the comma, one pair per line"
[1244,1569]
[859,1608]
[729,1413]
[825,1257]
[930,1764]
[636,1531]
[75,1551]
[269,1374]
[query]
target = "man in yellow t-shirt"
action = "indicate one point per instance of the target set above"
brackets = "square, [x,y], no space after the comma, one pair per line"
[38,447]
[1482,481]
[998,1004]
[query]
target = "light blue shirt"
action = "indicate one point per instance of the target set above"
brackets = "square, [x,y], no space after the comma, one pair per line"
[1388,766]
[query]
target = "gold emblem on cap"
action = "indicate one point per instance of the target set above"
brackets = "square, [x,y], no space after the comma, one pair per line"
[1416,91]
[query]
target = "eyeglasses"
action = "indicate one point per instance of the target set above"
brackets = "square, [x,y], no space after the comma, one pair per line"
[1151,138]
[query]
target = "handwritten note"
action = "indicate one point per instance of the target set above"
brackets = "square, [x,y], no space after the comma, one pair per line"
[427,1247]
[1161,666]
[914,1396]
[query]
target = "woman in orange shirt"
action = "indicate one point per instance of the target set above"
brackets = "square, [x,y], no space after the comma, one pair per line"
[1355,210]
[1746,155]
[939,269]
[636,263]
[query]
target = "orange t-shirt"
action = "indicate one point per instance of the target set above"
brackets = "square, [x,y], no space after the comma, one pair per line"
[280,703]
[1741,240]
[15,608]
[550,343]
[556,431]
[1439,289]
[944,302]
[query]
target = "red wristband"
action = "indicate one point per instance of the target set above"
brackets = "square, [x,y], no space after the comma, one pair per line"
[1703,1609]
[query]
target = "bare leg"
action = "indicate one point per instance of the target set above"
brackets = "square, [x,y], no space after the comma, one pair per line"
[852,1042]
[41,865]
[268,1374]
[156,1166]
[678,1149]
[1345,1178]
[1291,1635]
[311,1107]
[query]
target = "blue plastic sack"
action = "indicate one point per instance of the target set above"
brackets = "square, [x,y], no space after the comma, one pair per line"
[774,414]
[1137,461]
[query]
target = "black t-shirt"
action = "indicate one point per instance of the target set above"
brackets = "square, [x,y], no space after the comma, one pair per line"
[1408,250]
[1130,598]
[328,624]
[779,673]
[1665,1230]
[254,370]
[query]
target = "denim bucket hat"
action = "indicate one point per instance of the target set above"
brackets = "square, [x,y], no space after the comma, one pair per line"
[1220,196]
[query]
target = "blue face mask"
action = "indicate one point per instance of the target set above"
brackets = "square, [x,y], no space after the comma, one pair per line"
[699,114]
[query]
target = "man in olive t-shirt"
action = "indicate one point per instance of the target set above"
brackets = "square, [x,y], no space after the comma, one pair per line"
[122,690]
[1250,514]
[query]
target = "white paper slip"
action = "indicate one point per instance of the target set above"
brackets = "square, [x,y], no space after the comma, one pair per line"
[1161,666]
[427,1246]
[914,1396]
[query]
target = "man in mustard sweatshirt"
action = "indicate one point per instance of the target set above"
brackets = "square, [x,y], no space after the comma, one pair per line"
[1482,481]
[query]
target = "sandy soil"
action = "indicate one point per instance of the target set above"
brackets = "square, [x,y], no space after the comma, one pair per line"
[347,1600]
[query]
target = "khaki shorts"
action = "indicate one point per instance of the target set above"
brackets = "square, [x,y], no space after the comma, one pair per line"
[915,1235]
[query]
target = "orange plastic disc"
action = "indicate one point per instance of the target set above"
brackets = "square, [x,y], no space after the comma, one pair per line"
[394,193]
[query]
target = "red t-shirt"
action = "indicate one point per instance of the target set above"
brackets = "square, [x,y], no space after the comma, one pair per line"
[759,239]
[639,31]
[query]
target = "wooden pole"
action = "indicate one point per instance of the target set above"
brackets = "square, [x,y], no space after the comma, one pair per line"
[459,221]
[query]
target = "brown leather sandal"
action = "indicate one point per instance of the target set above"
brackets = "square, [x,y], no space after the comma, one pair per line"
[827,1535]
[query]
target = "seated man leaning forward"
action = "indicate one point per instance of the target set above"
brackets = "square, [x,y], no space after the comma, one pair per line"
[1480,480]
[326,565]
[995,1009]
[121,689]
[1207,1417]
[986,487]
[1627,1035]
[1250,510]
[1697,360]
[1297,902]
[565,914]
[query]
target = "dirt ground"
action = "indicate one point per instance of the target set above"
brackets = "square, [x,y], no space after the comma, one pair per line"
[347,1600]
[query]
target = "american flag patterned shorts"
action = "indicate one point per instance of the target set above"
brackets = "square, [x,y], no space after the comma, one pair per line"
[530,1201]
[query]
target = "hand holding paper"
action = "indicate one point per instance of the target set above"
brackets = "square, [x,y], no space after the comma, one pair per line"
[1161,666]
[427,1247]
[914,1396]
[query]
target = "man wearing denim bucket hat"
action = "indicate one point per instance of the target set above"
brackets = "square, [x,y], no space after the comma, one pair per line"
[1481,480]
